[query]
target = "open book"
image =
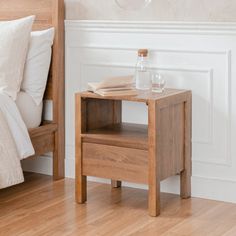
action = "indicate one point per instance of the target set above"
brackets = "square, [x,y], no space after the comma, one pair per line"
[116,86]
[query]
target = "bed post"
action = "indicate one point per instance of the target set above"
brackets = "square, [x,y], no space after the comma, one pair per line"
[58,82]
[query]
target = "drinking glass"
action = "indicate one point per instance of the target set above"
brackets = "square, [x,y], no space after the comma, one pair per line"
[158,83]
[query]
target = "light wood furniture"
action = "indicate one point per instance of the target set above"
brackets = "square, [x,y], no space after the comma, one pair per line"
[108,148]
[50,136]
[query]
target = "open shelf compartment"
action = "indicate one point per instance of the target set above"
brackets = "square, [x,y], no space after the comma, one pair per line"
[101,123]
[120,134]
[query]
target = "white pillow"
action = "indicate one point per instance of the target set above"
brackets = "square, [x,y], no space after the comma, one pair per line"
[14,42]
[30,112]
[37,64]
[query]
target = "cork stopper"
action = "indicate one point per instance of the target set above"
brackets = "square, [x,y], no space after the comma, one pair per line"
[142,52]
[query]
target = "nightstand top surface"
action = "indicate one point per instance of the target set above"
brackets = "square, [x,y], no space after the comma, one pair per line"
[142,96]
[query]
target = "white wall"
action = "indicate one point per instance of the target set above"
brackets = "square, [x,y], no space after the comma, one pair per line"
[161,10]
[201,57]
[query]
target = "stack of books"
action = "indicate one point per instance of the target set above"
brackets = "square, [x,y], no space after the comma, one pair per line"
[116,86]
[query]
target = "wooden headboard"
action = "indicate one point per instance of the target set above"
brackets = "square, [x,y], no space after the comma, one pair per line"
[49,13]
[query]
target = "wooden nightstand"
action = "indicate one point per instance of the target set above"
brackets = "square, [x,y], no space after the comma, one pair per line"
[108,148]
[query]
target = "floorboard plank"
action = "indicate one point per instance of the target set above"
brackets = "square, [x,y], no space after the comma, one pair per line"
[43,207]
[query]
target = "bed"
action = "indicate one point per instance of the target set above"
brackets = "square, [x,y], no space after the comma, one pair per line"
[50,135]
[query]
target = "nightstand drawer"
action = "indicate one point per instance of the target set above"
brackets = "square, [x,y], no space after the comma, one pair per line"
[115,162]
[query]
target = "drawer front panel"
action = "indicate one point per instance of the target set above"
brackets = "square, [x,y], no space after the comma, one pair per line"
[116,163]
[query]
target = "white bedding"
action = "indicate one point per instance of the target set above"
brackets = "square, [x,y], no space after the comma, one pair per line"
[31,112]
[15,143]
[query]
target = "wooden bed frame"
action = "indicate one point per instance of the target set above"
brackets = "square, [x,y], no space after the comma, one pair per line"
[50,136]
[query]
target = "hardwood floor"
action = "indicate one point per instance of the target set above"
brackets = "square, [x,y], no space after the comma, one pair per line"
[43,207]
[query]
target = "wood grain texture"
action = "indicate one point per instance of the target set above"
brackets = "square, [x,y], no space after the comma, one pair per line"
[13,9]
[101,113]
[117,119]
[142,96]
[58,85]
[80,127]
[117,163]
[185,176]
[136,153]
[43,207]
[154,158]
[171,139]
[49,13]
[121,135]
[43,129]
[43,144]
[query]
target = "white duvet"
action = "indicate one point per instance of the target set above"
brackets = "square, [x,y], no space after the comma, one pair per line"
[15,143]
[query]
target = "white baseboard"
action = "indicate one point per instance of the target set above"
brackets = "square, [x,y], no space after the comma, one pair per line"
[202,187]
[41,165]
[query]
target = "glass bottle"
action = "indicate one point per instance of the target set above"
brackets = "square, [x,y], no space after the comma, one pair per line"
[142,73]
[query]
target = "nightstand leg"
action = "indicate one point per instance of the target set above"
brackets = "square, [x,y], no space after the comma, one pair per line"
[80,180]
[80,125]
[154,198]
[153,160]
[116,184]
[185,183]
[185,175]
[81,189]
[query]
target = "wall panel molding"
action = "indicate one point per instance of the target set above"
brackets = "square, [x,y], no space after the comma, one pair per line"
[201,28]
